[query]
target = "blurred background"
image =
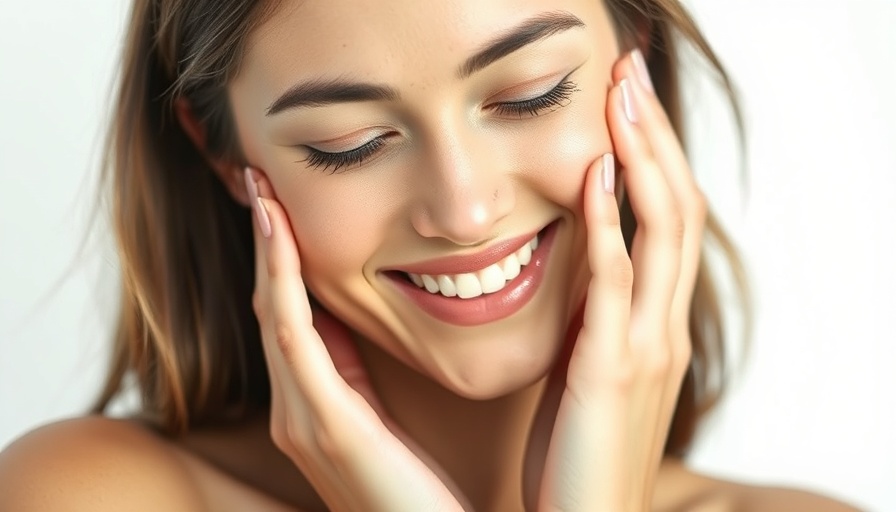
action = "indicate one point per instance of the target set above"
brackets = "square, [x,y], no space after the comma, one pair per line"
[811,405]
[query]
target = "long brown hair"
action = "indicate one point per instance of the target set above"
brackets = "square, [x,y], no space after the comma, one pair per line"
[186,331]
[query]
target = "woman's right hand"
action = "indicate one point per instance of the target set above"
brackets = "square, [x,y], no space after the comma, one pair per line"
[325,414]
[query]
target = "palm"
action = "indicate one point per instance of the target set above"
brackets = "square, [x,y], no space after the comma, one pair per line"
[338,341]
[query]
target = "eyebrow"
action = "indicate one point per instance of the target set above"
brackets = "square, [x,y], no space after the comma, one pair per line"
[317,93]
[530,31]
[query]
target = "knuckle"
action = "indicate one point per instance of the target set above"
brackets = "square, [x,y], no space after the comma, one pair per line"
[608,376]
[655,349]
[619,273]
[676,228]
[285,338]
[656,358]
[620,377]
[658,364]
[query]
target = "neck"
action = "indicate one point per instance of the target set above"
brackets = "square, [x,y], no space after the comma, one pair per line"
[480,444]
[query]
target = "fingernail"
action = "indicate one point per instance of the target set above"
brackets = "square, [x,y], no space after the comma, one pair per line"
[251,186]
[261,212]
[627,100]
[641,70]
[264,221]
[608,173]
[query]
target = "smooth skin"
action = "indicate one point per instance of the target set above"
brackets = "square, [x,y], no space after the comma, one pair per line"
[342,436]
[624,370]
[100,464]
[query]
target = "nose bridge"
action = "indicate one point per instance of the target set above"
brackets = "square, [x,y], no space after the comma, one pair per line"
[465,191]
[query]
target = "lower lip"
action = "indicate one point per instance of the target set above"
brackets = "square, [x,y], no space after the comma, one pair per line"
[490,307]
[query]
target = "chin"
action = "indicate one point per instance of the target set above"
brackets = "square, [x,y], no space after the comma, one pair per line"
[501,361]
[490,385]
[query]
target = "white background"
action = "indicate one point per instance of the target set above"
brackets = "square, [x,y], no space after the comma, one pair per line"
[814,403]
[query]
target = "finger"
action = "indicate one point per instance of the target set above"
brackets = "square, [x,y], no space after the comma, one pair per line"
[335,332]
[691,203]
[291,324]
[260,300]
[670,155]
[317,409]
[258,238]
[283,389]
[606,318]
[657,127]
[278,372]
[656,258]
[656,249]
[306,372]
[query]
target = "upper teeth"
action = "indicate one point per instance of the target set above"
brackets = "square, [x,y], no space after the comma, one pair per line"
[488,280]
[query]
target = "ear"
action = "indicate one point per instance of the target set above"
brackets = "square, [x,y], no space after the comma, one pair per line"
[230,174]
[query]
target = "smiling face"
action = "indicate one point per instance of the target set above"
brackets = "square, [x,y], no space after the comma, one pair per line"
[433,144]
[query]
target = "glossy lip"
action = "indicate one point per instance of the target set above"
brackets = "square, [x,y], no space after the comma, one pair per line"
[466,264]
[485,308]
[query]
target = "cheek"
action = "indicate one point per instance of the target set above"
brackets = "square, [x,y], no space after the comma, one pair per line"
[337,227]
[557,165]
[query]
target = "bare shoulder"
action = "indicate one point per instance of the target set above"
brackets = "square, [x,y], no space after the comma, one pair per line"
[95,464]
[686,490]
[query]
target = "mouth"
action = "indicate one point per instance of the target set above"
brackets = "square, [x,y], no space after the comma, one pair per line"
[482,288]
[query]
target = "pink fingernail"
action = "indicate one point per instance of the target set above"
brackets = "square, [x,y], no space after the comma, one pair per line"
[261,212]
[608,173]
[251,186]
[641,70]
[264,221]
[628,101]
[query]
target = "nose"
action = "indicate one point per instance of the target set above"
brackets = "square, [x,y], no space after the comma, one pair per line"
[464,192]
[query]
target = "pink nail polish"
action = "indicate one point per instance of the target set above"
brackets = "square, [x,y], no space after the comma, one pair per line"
[261,213]
[608,173]
[251,186]
[628,100]
[641,70]
[264,221]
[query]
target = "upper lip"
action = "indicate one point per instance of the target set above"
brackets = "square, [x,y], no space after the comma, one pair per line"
[468,263]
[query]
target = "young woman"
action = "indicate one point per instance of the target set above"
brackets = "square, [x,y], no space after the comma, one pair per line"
[472,279]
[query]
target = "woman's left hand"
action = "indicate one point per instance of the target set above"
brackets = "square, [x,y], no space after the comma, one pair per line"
[599,436]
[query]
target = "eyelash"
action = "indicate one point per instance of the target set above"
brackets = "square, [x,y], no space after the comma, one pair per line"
[325,161]
[553,99]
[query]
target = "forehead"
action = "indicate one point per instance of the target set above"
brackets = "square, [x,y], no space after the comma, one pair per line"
[369,39]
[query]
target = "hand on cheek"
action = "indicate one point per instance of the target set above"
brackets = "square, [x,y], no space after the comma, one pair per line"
[652,140]
[625,370]
[325,414]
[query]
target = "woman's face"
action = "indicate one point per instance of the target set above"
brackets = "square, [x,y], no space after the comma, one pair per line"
[431,141]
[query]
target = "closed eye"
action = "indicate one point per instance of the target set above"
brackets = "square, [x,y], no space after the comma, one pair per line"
[334,162]
[549,101]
